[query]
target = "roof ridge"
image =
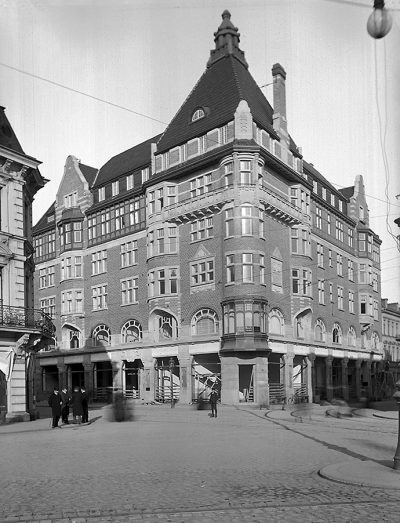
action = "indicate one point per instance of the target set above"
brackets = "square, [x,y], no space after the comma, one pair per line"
[236,77]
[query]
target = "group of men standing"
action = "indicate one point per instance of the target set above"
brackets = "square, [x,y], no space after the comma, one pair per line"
[60,404]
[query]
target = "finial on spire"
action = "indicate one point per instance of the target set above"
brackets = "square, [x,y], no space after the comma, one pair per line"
[226,41]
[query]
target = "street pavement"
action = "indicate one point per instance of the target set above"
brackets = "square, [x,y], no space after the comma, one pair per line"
[180,465]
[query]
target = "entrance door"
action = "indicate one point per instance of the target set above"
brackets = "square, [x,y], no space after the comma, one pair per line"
[131,370]
[246,383]
[167,379]
[3,395]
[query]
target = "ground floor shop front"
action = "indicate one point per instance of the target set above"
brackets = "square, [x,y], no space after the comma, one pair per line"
[282,375]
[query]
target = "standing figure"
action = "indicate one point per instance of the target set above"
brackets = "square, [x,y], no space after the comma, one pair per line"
[85,405]
[213,401]
[76,401]
[55,403]
[65,398]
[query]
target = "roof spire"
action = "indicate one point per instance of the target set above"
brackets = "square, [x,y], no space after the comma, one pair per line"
[226,41]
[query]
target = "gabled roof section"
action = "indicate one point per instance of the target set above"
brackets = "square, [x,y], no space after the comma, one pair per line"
[88,172]
[126,162]
[347,192]
[7,135]
[219,90]
[43,224]
[308,167]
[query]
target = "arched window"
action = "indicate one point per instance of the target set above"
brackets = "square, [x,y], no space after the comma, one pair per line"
[71,337]
[131,331]
[199,113]
[351,337]
[205,321]
[276,322]
[337,333]
[101,335]
[320,331]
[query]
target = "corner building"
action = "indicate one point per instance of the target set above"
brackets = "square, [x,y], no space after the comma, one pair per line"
[212,255]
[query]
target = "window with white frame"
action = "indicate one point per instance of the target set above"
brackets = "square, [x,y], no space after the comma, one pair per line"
[71,200]
[331,292]
[99,297]
[351,302]
[321,292]
[99,262]
[205,321]
[366,304]
[162,241]
[376,310]
[246,221]
[198,114]
[145,174]
[131,332]
[350,237]
[129,253]
[320,255]
[202,229]
[362,241]
[375,281]
[300,198]
[119,217]
[230,268]
[101,335]
[171,194]
[320,331]
[101,194]
[324,193]
[115,188]
[105,223]
[262,268]
[301,282]
[341,205]
[229,223]
[340,298]
[328,220]
[46,277]
[315,186]
[350,270]
[129,291]
[318,217]
[247,268]
[332,200]
[376,253]
[200,185]
[72,301]
[339,264]
[134,215]
[202,272]
[337,333]
[245,172]
[129,182]
[48,306]
[228,174]
[276,322]
[276,275]
[71,267]
[300,241]
[339,230]
[163,282]
[330,263]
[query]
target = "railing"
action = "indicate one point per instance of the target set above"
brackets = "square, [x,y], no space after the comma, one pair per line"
[276,393]
[26,318]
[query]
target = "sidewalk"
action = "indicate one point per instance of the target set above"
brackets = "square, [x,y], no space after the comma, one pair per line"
[366,473]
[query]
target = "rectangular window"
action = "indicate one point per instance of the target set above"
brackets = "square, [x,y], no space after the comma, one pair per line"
[362,241]
[262,268]
[152,202]
[318,217]
[134,217]
[48,306]
[115,188]
[330,258]
[375,281]
[171,194]
[129,291]
[230,268]
[201,229]
[339,264]
[300,241]
[276,275]
[72,301]
[129,253]
[340,298]
[328,219]
[99,262]
[101,194]
[324,193]
[376,310]
[301,282]
[71,200]
[129,182]
[341,205]
[350,270]
[363,303]
[163,282]
[333,200]
[246,220]
[321,292]
[363,273]
[145,174]
[245,172]
[200,185]
[202,272]
[77,232]
[46,277]
[339,230]
[350,237]
[376,254]
[228,174]
[320,255]
[331,292]
[99,297]
[247,268]
[351,302]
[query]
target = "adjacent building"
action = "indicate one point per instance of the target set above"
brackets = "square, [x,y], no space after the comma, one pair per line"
[23,329]
[212,255]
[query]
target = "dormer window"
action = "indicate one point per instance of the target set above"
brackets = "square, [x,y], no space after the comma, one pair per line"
[71,200]
[198,114]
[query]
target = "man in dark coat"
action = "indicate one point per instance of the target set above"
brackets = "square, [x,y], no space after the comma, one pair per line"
[213,401]
[85,405]
[76,402]
[55,403]
[65,398]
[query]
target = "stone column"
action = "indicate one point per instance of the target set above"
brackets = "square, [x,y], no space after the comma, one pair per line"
[62,374]
[345,379]
[230,380]
[358,379]
[311,378]
[88,368]
[328,367]
[288,375]
[368,365]
[185,377]
[261,387]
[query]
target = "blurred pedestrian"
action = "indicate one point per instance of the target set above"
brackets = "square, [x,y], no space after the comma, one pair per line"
[55,403]
[65,398]
[213,401]
[85,405]
[76,402]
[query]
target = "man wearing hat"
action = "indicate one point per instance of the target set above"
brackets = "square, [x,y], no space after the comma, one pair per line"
[55,403]
[65,398]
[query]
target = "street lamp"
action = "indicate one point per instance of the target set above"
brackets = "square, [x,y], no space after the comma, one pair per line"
[171,370]
[379,21]
[396,459]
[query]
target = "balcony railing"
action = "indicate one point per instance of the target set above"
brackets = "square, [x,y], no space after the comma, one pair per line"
[21,317]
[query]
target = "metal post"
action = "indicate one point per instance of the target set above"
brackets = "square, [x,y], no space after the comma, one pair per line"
[171,368]
[396,459]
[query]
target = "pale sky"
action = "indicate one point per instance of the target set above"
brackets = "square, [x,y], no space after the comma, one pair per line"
[343,107]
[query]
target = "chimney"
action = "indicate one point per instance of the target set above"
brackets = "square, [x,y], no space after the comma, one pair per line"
[279,78]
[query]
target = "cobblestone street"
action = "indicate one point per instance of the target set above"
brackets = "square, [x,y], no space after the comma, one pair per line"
[181,465]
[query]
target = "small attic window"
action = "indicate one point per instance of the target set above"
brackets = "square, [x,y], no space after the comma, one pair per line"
[50,218]
[198,114]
